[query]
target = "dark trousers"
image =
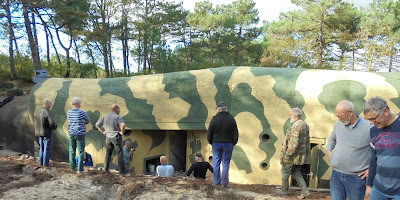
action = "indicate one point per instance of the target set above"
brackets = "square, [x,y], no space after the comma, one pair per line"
[110,144]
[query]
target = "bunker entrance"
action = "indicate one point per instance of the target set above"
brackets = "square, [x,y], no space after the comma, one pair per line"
[305,170]
[177,151]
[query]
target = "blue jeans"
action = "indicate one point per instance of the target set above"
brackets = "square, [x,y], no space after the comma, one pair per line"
[76,141]
[221,151]
[377,195]
[350,186]
[45,149]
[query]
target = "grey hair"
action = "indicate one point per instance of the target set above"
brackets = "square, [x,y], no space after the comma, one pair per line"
[376,105]
[223,108]
[46,101]
[76,100]
[349,105]
[297,112]
[128,142]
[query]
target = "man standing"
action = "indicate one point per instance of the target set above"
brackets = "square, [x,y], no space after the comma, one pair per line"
[77,120]
[114,129]
[199,167]
[222,134]
[349,152]
[44,125]
[296,152]
[384,177]
[128,151]
[164,170]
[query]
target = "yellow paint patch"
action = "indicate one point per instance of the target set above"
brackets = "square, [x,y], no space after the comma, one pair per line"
[48,90]
[207,91]
[167,112]
[276,111]
[310,85]
[89,92]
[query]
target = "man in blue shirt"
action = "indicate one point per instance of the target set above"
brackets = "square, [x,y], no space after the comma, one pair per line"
[384,175]
[164,170]
[77,120]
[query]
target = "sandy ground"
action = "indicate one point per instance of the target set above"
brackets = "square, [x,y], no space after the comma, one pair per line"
[24,179]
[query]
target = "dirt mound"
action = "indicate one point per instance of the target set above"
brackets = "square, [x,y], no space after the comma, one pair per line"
[25,179]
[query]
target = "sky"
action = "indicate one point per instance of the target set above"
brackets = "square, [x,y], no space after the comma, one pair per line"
[269,10]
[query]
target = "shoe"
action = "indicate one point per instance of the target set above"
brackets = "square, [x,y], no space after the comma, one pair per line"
[226,186]
[84,171]
[304,195]
[281,192]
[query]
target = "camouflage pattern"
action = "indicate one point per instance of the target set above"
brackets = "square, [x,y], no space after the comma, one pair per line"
[158,107]
[296,149]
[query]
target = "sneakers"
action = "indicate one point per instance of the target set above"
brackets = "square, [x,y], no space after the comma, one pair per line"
[84,171]
[304,195]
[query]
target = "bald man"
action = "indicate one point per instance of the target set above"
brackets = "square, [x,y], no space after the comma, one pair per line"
[44,126]
[349,151]
[113,127]
[164,170]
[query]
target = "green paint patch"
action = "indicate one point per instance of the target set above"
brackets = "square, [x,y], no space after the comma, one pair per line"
[241,160]
[94,136]
[195,146]
[322,165]
[59,113]
[157,138]
[32,99]
[221,80]
[393,78]
[245,102]
[183,85]
[285,86]
[337,91]
[140,115]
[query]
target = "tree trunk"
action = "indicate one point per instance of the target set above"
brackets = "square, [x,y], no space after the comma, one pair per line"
[54,47]
[68,73]
[104,39]
[77,52]
[34,30]
[10,40]
[92,58]
[341,59]
[138,52]
[391,59]
[211,48]
[47,46]
[237,46]
[320,41]
[110,56]
[32,44]
[145,34]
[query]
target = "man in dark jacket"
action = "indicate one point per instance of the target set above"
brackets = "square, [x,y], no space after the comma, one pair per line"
[44,125]
[199,167]
[222,134]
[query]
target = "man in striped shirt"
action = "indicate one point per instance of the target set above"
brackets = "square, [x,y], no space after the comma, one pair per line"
[77,120]
[384,175]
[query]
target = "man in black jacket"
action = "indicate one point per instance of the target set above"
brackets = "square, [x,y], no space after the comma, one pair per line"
[44,125]
[222,134]
[199,167]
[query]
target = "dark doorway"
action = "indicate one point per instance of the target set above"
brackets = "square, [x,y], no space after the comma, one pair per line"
[305,172]
[178,150]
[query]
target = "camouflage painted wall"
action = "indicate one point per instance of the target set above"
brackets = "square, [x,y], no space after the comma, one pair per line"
[260,99]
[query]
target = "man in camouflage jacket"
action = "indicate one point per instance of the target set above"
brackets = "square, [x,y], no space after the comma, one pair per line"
[296,152]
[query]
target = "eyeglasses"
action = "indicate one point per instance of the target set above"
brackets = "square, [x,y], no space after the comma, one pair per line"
[374,119]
